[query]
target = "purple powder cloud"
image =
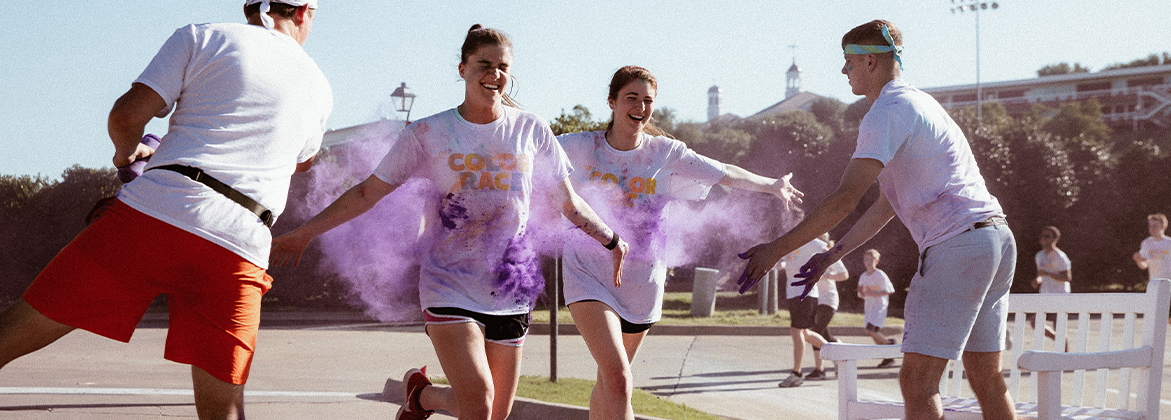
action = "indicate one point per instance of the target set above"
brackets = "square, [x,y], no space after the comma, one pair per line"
[375,253]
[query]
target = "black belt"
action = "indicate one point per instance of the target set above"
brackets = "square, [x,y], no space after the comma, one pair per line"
[198,175]
[991,221]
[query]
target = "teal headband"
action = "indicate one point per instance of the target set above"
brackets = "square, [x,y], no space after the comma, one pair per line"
[878,49]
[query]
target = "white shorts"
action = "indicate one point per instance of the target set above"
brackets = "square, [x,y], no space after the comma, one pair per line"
[958,301]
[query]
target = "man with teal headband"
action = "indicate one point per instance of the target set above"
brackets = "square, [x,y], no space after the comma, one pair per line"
[957,304]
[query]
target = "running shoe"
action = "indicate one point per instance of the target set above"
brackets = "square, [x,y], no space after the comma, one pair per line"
[794,380]
[816,374]
[413,383]
[885,363]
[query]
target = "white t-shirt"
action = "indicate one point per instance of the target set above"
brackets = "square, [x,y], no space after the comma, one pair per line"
[630,190]
[929,174]
[1158,255]
[1054,262]
[474,255]
[875,306]
[827,289]
[249,105]
[793,262]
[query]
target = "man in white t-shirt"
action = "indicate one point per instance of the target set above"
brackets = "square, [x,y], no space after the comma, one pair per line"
[875,288]
[1054,271]
[250,108]
[1053,266]
[1154,254]
[958,301]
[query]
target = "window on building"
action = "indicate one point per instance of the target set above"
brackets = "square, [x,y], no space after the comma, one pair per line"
[1088,87]
[1149,81]
[967,97]
[1017,93]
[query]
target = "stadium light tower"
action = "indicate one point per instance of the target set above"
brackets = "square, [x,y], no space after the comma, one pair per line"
[975,7]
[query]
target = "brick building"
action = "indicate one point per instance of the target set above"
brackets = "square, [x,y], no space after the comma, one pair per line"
[1131,98]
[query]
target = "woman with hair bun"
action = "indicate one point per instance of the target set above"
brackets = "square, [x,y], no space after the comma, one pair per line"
[633,170]
[478,278]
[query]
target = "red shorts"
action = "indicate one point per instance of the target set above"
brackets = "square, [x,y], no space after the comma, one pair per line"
[106,278]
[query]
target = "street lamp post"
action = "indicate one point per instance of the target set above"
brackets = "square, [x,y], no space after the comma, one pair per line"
[975,6]
[403,99]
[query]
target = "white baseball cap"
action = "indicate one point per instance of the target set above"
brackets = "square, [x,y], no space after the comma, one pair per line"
[264,8]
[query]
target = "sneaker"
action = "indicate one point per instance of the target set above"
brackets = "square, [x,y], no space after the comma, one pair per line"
[794,380]
[885,363]
[816,374]
[413,383]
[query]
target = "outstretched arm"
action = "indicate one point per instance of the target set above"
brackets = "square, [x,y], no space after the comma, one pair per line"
[353,203]
[859,175]
[581,215]
[737,177]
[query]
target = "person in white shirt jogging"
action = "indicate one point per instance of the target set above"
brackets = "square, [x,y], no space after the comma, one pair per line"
[478,281]
[630,172]
[827,305]
[957,304]
[1154,253]
[1053,266]
[875,287]
[1054,270]
[803,310]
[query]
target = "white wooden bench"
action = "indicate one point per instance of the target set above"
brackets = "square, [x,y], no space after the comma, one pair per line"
[1120,378]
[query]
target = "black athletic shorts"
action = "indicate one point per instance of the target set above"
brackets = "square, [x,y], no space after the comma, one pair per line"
[501,329]
[801,312]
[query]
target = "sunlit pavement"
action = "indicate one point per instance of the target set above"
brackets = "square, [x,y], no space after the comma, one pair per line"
[337,370]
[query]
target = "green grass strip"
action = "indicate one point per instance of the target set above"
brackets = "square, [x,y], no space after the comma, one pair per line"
[573,391]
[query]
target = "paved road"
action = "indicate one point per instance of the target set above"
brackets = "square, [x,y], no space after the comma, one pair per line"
[339,371]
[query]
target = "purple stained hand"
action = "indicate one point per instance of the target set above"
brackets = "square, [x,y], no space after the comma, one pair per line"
[744,282]
[810,273]
[134,169]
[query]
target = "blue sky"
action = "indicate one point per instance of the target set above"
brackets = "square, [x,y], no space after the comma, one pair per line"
[64,64]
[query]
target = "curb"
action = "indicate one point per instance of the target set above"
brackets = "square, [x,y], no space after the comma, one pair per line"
[318,319]
[736,330]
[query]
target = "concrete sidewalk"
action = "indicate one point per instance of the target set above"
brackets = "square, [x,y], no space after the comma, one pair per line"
[315,366]
[335,367]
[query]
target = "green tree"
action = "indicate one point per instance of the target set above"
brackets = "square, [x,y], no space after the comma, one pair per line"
[1061,68]
[664,118]
[829,112]
[1151,60]
[39,217]
[794,133]
[577,121]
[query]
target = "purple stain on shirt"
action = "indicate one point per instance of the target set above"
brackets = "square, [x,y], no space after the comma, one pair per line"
[452,210]
[519,272]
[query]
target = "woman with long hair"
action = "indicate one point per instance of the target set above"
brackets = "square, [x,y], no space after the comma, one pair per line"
[478,279]
[632,171]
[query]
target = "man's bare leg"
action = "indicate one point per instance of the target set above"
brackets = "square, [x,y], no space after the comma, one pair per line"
[216,399]
[23,330]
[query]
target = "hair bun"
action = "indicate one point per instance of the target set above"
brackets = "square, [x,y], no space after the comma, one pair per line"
[475,27]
